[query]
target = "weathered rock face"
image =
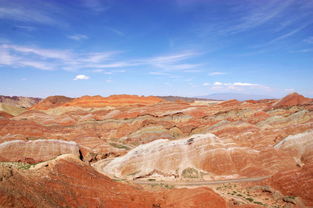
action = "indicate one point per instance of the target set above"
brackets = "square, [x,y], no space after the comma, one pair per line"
[300,146]
[19,101]
[296,182]
[68,182]
[36,151]
[199,156]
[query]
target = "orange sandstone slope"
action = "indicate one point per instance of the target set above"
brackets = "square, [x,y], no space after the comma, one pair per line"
[51,102]
[68,182]
[296,182]
[292,100]
[113,100]
[95,101]
[252,139]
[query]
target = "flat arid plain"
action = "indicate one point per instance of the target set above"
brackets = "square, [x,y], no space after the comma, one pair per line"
[136,151]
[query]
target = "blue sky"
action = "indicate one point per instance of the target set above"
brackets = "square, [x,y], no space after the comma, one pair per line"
[156,47]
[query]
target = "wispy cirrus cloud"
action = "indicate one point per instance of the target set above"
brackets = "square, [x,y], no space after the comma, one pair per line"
[254,14]
[38,12]
[100,56]
[49,59]
[169,62]
[217,73]
[78,37]
[159,73]
[45,53]
[116,31]
[25,27]
[105,62]
[305,50]
[95,5]
[285,18]
[25,15]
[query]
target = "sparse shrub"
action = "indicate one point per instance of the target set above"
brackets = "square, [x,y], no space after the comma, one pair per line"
[249,199]
[190,173]
[260,203]
[119,146]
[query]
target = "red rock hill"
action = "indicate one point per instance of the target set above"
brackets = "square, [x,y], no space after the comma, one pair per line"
[291,100]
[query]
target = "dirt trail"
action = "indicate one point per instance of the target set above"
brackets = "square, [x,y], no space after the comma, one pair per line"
[201,183]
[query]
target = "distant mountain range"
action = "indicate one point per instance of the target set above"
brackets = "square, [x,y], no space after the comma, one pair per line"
[180,98]
[237,96]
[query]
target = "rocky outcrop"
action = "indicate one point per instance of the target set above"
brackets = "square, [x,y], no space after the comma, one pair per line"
[36,151]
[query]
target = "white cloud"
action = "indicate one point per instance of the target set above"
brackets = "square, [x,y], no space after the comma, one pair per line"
[240,84]
[235,86]
[216,73]
[244,84]
[78,37]
[95,5]
[206,84]
[219,83]
[81,77]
